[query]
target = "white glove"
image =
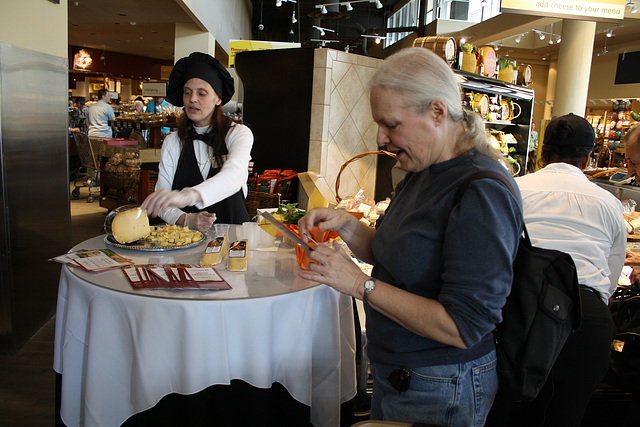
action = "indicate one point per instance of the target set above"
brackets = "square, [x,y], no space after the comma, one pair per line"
[201,221]
[163,198]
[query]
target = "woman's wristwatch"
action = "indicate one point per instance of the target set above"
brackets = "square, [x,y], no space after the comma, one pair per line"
[369,285]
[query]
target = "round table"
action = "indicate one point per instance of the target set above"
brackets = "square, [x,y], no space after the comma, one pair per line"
[120,351]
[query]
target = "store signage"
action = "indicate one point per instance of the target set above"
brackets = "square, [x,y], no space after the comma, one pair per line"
[82,59]
[154,89]
[236,46]
[601,10]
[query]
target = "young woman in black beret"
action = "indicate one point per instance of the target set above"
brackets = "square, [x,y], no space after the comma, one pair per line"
[204,165]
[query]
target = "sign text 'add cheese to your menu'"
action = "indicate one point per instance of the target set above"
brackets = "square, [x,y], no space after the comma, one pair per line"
[599,10]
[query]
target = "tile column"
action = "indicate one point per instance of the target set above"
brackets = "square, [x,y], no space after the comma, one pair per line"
[574,67]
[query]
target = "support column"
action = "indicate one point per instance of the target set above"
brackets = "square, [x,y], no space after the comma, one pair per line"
[552,78]
[190,38]
[574,67]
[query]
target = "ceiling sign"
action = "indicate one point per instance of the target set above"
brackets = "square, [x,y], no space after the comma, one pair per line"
[154,89]
[585,10]
[236,46]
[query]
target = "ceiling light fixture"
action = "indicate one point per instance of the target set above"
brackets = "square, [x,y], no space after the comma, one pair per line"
[347,4]
[293,18]
[542,36]
[322,30]
[518,38]
[278,3]
[610,33]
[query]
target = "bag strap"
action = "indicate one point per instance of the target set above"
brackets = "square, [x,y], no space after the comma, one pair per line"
[494,175]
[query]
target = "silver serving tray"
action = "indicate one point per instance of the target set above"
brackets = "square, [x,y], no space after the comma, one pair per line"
[142,245]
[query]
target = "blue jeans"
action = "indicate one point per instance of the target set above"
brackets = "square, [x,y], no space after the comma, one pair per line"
[448,395]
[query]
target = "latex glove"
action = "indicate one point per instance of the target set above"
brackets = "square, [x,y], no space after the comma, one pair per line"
[161,199]
[201,221]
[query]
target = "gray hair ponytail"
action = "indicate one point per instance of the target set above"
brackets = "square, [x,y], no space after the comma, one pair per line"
[420,76]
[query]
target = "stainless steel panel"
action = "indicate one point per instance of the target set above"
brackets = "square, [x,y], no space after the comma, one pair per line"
[34,186]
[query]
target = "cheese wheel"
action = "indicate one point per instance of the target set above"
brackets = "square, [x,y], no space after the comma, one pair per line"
[238,256]
[215,252]
[130,225]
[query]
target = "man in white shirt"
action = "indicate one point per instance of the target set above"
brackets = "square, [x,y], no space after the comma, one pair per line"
[563,210]
[99,115]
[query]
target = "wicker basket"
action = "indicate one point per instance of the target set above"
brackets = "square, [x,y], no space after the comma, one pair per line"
[257,200]
[353,159]
[120,180]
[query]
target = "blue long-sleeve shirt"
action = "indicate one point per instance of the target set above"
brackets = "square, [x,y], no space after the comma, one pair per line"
[459,254]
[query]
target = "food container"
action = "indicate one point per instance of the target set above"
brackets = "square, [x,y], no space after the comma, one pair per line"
[443,46]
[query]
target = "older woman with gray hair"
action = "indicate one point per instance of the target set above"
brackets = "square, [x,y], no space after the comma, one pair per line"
[442,265]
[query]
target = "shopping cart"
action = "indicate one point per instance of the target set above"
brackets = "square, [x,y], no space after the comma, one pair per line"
[88,174]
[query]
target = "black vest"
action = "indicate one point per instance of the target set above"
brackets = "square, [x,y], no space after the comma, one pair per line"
[228,211]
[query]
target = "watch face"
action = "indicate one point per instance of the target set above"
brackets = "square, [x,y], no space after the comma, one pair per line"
[369,285]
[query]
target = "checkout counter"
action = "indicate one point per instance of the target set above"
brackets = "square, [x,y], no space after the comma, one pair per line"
[620,185]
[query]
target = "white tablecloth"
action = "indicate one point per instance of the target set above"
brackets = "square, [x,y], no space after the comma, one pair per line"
[120,352]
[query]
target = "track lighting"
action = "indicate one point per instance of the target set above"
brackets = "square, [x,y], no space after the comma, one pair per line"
[347,4]
[610,34]
[542,36]
[293,18]
[519,38]
[323,30]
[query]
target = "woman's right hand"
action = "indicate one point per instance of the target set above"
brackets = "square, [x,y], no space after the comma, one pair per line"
[325,219]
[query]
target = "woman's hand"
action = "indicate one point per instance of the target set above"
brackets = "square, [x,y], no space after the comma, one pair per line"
[336,269]
[163,198]
[324,219]
[201,221]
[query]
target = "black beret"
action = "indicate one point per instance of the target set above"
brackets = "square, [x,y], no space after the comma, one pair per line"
[202,66]
[569,130]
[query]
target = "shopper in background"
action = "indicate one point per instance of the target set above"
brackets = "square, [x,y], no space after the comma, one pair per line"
[158,105]
[533,146]
[99,115]
[204,165]
[632,152]
[138,105]
[563,210]
[442,268]
[81,114]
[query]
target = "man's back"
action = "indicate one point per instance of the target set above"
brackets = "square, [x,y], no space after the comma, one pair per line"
[99,115]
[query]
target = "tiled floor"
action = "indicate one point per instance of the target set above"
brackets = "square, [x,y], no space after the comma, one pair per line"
[27,379]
